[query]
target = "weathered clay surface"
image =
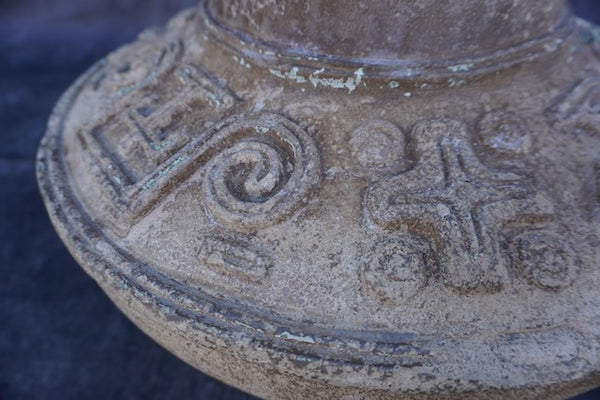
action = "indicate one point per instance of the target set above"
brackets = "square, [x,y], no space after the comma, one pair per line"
[310,227]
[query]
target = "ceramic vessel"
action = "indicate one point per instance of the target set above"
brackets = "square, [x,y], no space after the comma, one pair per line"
[327,199]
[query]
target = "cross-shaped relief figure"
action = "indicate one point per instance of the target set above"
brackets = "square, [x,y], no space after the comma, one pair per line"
[459,206]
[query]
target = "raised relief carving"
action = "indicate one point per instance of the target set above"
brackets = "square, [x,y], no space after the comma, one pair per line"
[169,121]
[235,258]
[545,260]
[379,147]
[267,169]
[450,199]
[134,140]
[395,269]
[139,65]
[159,105]
[578,111]
[503,133]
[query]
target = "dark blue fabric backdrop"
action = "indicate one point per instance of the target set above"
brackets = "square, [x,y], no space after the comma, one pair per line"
[60,336]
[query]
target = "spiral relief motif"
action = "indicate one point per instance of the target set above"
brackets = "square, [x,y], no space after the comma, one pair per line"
[263,175]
